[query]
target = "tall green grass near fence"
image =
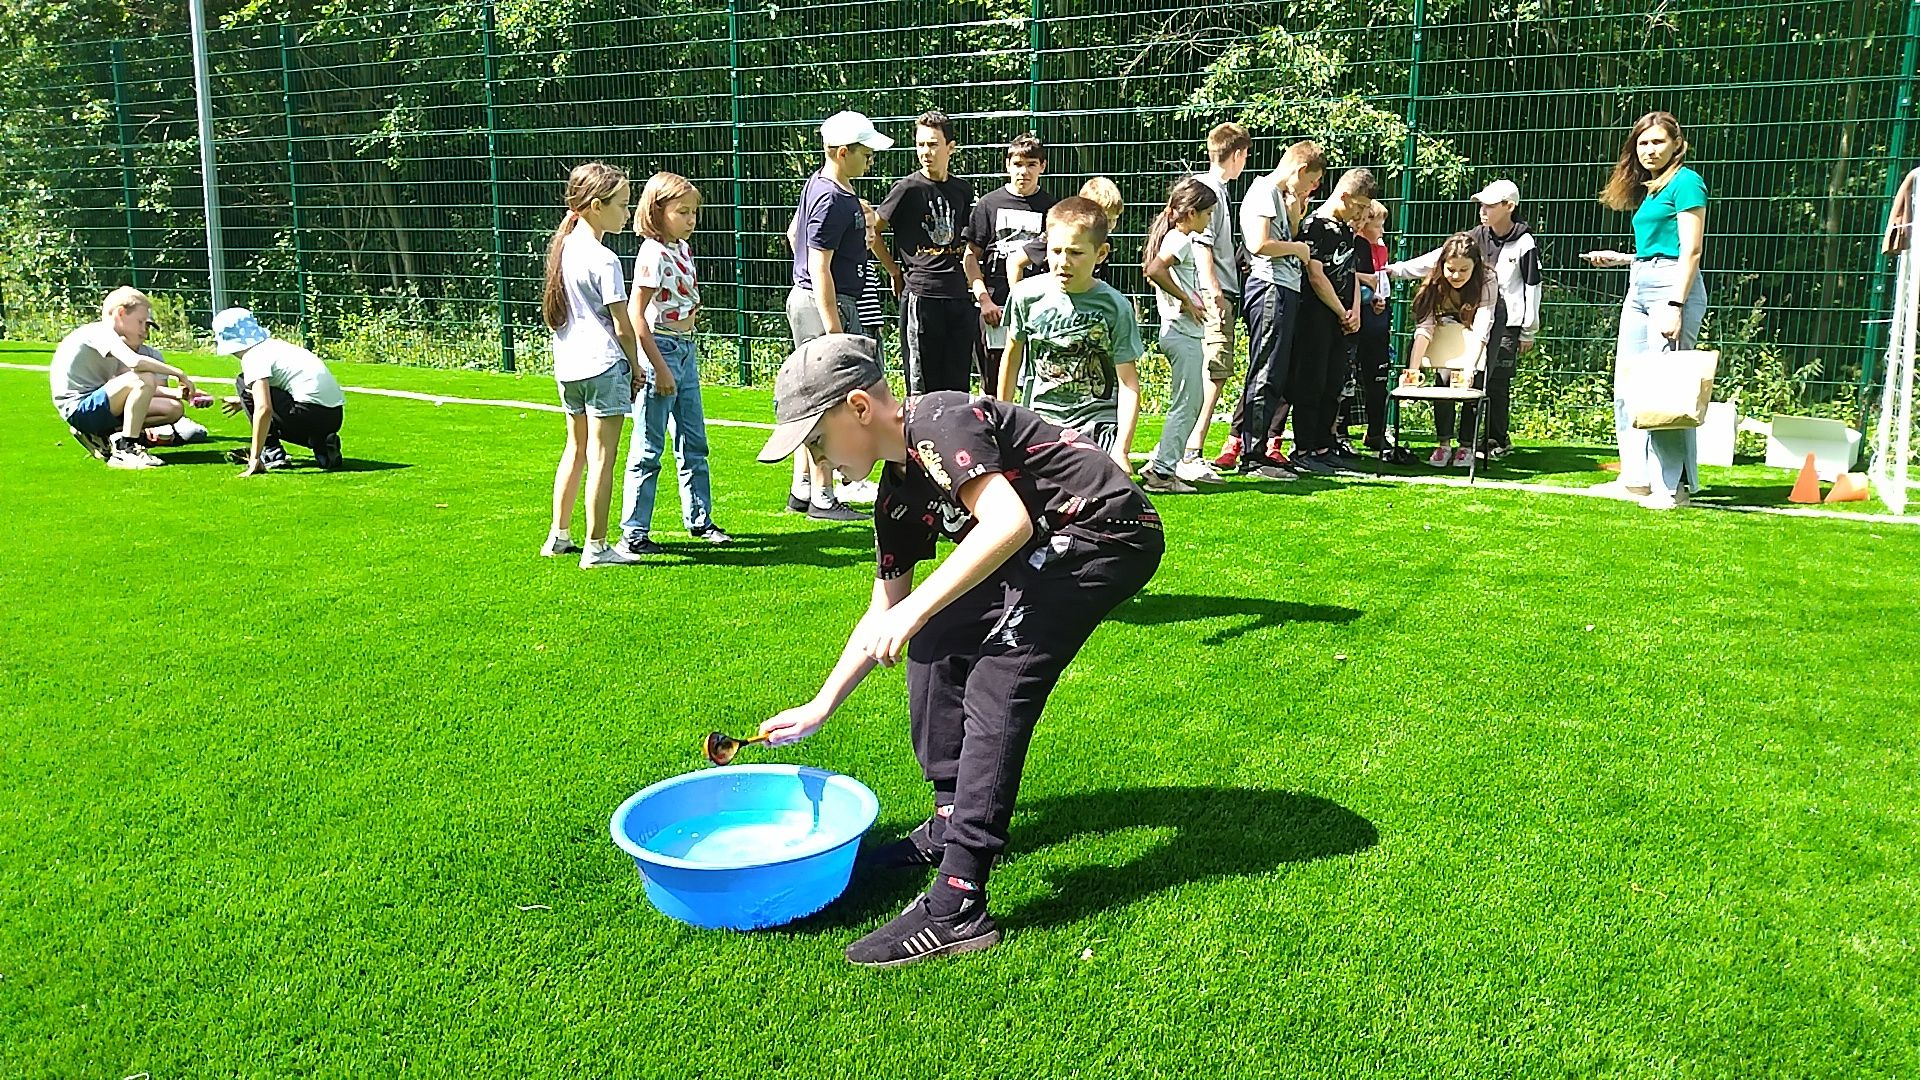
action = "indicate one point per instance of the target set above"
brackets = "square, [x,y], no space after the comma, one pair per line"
[390,176]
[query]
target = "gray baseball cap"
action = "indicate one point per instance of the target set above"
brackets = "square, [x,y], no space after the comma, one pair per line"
[818,376]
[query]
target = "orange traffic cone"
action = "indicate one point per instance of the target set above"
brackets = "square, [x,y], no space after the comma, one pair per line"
[1806,489]
[1849,487]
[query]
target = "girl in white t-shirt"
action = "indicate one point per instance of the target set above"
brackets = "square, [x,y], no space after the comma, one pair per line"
[594,355]
[663,309]
[1172,265]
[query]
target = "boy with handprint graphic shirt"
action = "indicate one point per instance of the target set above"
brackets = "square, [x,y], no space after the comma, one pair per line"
[927,214]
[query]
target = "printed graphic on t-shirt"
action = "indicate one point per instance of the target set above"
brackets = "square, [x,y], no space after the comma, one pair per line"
[943,232]
[1074,350]
[1013,228]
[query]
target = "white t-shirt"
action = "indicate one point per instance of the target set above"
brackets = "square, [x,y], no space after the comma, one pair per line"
[301,374]
[667,269]
[1180,247]
[1218,237]
[83,364]
[1266,200]
[586,345]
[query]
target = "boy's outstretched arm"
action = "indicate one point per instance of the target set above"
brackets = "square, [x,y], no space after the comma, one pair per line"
[899,610]
[803,720]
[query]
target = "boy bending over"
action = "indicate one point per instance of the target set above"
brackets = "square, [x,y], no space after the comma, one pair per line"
[1052,536]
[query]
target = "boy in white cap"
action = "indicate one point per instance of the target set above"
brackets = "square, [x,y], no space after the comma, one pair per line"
[1052,535]
[109,385]
[1507,245]
[285,390]
[831,244]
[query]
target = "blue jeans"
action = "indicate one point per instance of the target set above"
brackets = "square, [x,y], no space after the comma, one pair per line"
[1662,461]
[683,411]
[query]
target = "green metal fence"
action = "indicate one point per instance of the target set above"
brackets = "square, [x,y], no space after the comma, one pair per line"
[389,179]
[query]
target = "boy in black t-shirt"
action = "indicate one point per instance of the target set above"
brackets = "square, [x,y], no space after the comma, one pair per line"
[1324,338]
[929,212]
[1052,537]
[1005,220]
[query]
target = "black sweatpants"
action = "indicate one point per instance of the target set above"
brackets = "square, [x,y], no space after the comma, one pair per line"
[1498,383]
[1273,315]
[978,676]
[1321,360]
[1373,356]
[937,335]
[301,423]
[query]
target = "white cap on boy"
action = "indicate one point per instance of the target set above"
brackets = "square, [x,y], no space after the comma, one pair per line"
[847,128]
[1498,192]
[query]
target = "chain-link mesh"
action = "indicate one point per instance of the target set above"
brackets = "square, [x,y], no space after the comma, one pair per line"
[390,180]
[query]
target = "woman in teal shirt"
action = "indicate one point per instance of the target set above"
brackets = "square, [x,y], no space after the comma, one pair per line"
[1666,298]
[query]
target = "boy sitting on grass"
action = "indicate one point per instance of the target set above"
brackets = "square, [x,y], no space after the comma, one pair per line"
[1072,341]
[1052,536]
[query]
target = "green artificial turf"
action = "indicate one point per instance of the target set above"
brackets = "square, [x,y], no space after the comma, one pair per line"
[310,774]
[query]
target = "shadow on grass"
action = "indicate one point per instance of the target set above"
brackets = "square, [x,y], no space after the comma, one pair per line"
[829,547]
[1256,613]
[1216,833]
[300,464]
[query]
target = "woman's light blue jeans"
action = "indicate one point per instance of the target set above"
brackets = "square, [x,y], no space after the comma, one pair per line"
[683,412]
[1661,461]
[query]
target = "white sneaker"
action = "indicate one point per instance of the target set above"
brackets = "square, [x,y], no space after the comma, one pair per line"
[1614,489]
[1659,501]
[607,555]
[859,491]
[559,545]
[129,454]
[1195,471]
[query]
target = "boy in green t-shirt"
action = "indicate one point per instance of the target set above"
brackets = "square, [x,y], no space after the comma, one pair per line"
[1072,340]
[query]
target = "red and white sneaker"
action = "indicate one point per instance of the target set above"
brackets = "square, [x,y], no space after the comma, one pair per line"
[1229,453]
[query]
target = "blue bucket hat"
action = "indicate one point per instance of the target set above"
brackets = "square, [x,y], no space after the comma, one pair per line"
[235,330]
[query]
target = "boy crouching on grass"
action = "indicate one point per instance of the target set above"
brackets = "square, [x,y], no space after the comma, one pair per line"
[288,394]
[1052,536]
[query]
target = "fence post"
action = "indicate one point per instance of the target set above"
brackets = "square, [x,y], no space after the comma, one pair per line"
[1409,152]
[490,65]
[742,345]
[1036,41]
[293,181]
[1896,171]
[119,67]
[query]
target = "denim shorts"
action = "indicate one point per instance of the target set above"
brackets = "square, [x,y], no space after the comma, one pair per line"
[93,414]
[609,393]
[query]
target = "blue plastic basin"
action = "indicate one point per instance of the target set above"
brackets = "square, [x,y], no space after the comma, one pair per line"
[747,846]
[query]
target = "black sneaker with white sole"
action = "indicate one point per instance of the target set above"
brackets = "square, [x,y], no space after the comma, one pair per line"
[638,544]
[796,504]
[326,453]
[923,847]
[916,934]
[714,534]
[836,511]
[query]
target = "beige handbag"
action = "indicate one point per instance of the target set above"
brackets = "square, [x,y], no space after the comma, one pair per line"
[1670,389]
